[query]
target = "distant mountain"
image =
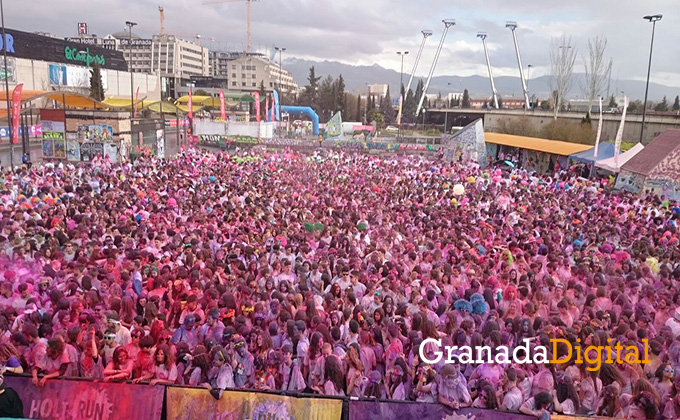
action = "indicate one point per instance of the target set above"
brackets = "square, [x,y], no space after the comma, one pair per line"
[356,78]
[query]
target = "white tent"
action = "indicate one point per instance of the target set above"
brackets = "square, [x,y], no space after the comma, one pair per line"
[609,164]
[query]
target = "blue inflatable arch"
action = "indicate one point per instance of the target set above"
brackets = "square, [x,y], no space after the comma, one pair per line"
[307,111]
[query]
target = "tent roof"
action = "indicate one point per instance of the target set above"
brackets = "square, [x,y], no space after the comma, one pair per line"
[644,162]
[561,148]
[212,101]
[605,150]
[610,164]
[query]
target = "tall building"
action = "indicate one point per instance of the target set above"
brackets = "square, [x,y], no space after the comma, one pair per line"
[247,71]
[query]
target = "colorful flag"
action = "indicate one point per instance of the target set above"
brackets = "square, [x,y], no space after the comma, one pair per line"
[136,96]
[277,106]
[223,114]
[16,112]
[272,114]
[190,105]
[257,105]
[619,134]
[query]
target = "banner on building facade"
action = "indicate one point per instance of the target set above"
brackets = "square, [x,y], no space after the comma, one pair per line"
[190,404]
[81,400]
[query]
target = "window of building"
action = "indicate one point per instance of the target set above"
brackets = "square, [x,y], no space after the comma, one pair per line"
[233,83]
[243,76]
[233,75]
[233,66]
[243,83]
[254,84]
[253,76]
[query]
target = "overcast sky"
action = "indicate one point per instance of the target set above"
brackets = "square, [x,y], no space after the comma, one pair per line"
[371,31]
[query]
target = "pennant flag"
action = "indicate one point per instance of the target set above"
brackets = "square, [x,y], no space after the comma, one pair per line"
[619,134]
[223,113]
[190,105]
[599,133]
[277,106]
[16,112]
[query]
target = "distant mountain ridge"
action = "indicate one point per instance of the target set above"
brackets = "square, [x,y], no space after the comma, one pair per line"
[356,78]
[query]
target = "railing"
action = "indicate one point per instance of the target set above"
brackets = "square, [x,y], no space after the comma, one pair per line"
[83,399]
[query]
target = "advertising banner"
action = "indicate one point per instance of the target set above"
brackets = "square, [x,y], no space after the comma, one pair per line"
[190,105]
[372,410]
[73,151]
[111,150]
[190,404]
[80,400]
[96,133]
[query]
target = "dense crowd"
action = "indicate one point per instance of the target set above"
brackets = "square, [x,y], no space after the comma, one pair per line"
[325,273]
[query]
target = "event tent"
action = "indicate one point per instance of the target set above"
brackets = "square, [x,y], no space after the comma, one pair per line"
[611,165]
[604,151]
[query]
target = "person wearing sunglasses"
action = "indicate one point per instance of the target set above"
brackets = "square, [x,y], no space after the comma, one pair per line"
[663,378]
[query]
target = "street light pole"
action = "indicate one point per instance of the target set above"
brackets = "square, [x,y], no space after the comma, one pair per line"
[280,50]
[132,78]
[531,101]
[9,108]
[653,19]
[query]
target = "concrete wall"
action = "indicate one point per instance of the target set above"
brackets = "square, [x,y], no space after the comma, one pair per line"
[655,124]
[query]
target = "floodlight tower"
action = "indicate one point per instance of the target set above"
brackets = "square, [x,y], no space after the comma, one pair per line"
[482,35]
[426,33]
[513,26]
[447,24]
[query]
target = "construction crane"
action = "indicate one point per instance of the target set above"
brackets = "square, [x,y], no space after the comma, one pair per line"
[160,9]
[205,3]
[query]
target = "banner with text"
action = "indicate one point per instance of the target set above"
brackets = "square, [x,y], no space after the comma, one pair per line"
[81,400]
[372,410]
[189,404]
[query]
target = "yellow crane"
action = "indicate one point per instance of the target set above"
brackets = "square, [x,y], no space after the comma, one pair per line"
[205,3]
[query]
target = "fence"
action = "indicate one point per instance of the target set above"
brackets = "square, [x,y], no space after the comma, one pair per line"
[71,399]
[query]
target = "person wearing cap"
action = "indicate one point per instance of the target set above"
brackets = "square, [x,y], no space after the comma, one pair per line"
[186,332]
[123,337]
[193,308]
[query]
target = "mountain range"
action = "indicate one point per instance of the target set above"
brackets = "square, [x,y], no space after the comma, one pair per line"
[357,77]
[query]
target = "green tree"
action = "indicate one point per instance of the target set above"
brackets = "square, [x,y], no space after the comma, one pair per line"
[358,115]
[311,93]
[635,106]
[96,84]
[200,92]
[386,108]
[612,102]
[408,113]
[340,94]
[326,100]
[586,119]
[662,106]
[263,95]
[545,105]
[466,99]
[676,104]
[419,91]
[500,102]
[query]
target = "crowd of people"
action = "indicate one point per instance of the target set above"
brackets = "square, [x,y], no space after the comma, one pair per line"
[324,274]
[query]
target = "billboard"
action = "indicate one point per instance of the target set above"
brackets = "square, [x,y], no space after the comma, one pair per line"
[73,76]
